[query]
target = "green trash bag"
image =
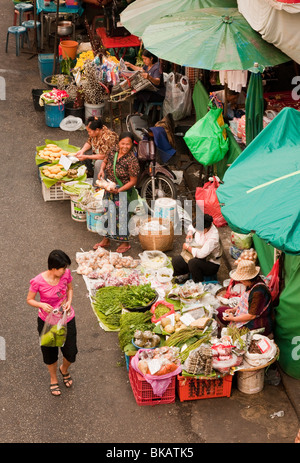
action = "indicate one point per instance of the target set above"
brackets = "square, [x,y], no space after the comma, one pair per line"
[207,139]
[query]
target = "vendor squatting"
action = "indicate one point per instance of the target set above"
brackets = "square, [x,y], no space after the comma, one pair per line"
[153,453]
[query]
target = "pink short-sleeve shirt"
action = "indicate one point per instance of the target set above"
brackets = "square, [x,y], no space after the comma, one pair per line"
[53,295]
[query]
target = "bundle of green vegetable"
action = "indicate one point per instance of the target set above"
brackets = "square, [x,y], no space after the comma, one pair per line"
[129,323]
[76,188]
[109,301]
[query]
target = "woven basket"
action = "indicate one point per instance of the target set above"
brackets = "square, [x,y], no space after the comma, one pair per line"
[157,241]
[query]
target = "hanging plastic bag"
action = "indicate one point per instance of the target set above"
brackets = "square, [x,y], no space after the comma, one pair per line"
[208,194]
[178,98]
[207,139]
[54,332]
[274,281]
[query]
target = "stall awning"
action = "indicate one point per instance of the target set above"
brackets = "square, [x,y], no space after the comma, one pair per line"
[277,22]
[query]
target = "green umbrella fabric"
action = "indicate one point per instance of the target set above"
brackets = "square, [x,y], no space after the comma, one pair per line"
[261,188]
[210,38]
[141,13]
[254,107]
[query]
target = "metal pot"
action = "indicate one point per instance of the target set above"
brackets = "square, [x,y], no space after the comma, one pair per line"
[64,28]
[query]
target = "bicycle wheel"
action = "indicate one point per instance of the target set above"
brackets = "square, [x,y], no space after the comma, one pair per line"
[164,188]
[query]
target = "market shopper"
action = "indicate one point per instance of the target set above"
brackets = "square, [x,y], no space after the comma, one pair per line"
[101,140]
[151,71]
[122,168]
[255,308]
[54,287]
[201,253]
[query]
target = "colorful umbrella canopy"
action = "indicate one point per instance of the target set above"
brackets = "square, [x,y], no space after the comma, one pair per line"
[141,13]
[254,107]
[261,188]
[210,38]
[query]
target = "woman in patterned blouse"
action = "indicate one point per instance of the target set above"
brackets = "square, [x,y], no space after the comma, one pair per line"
[121,167]
[101,140]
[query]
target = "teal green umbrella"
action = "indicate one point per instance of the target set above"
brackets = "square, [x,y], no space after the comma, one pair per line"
[210,38]
[261,189]
[254,107]
[141,13]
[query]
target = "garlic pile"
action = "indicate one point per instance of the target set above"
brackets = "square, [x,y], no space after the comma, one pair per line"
[93,264]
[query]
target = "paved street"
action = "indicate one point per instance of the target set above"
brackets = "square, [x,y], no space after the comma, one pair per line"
[100,408]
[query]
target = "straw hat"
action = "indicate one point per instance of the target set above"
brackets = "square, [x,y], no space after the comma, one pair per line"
[246,270]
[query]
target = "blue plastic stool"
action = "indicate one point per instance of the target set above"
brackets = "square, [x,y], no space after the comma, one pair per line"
[21,9]
[18,32]
[30,25]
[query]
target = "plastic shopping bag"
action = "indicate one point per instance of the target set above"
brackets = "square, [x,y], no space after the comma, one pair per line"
[208,195]
[207,139]
[54,332]
[178,98]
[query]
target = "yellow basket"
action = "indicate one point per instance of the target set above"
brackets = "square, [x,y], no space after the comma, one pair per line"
[161,240]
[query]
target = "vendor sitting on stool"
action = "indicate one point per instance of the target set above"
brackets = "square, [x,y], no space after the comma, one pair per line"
[151,71]
[201,253]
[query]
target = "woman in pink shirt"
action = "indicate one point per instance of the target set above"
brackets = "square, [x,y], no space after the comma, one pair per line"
[55,290]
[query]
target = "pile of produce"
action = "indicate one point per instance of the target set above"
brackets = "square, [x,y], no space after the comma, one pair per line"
[76,188]
[130,322]
[199,361]
[55,337]
[56,171]
[95,264]
[160,309]
[167,326]
[160,361]
[52,152]
[109,302]
[146,339]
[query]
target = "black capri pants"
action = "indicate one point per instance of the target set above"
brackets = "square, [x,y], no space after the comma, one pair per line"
[69,349]
[198,268]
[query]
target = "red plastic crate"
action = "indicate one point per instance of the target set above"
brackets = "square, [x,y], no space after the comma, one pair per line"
[143,391]
[192,388]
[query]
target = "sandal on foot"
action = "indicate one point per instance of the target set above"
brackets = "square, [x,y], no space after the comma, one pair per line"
[99,245]
[66,379]
[54,389]
[123,249]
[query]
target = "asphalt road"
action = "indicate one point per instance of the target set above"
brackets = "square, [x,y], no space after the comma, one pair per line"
[100,408]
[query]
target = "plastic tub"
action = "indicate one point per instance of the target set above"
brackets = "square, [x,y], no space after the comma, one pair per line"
[46,61]
[68,48]
[93,110]
[54,114]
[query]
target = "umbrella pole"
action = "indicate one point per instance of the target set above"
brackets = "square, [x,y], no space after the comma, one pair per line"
[55,39]
[34,50]
[225,99]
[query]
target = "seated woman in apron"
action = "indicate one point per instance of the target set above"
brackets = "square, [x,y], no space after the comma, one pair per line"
[255,308]
[201,253]
[101,140]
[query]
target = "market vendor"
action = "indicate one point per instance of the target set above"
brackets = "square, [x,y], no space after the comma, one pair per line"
[101,140]
[151,71]
[255,308]
[122,168]
[201,253]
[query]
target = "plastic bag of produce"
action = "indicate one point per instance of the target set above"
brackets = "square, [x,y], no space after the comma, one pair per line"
[241,241]
[54,332]
[153,260]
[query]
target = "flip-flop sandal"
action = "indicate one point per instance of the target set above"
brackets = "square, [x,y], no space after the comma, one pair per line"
[55,388]
[125,249]
[66,379]
[98,245]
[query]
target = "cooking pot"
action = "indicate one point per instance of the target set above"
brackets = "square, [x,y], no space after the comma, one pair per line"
[64,28]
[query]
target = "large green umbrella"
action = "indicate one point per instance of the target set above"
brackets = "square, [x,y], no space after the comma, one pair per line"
[261,188]
[141,13]
[210,38]
[254,104]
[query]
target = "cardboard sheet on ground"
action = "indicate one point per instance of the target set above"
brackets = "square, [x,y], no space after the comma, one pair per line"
[261,188]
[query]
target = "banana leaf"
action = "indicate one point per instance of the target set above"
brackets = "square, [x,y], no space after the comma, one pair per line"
[63,144]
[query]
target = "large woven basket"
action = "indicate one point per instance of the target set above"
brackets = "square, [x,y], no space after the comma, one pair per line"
[161,240]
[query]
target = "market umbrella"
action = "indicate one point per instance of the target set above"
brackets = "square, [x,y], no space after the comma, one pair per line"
[260,192]
[141,13]
[210,38]
[254,107]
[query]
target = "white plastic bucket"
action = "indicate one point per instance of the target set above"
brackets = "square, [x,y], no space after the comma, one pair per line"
[77,214]
[93,110]
[166,208]
[251,382]
[92,220]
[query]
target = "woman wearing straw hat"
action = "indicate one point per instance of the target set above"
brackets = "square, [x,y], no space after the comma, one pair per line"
[255,309]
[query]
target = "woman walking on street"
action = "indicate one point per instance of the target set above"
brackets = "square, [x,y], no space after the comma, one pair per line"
[55,290]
